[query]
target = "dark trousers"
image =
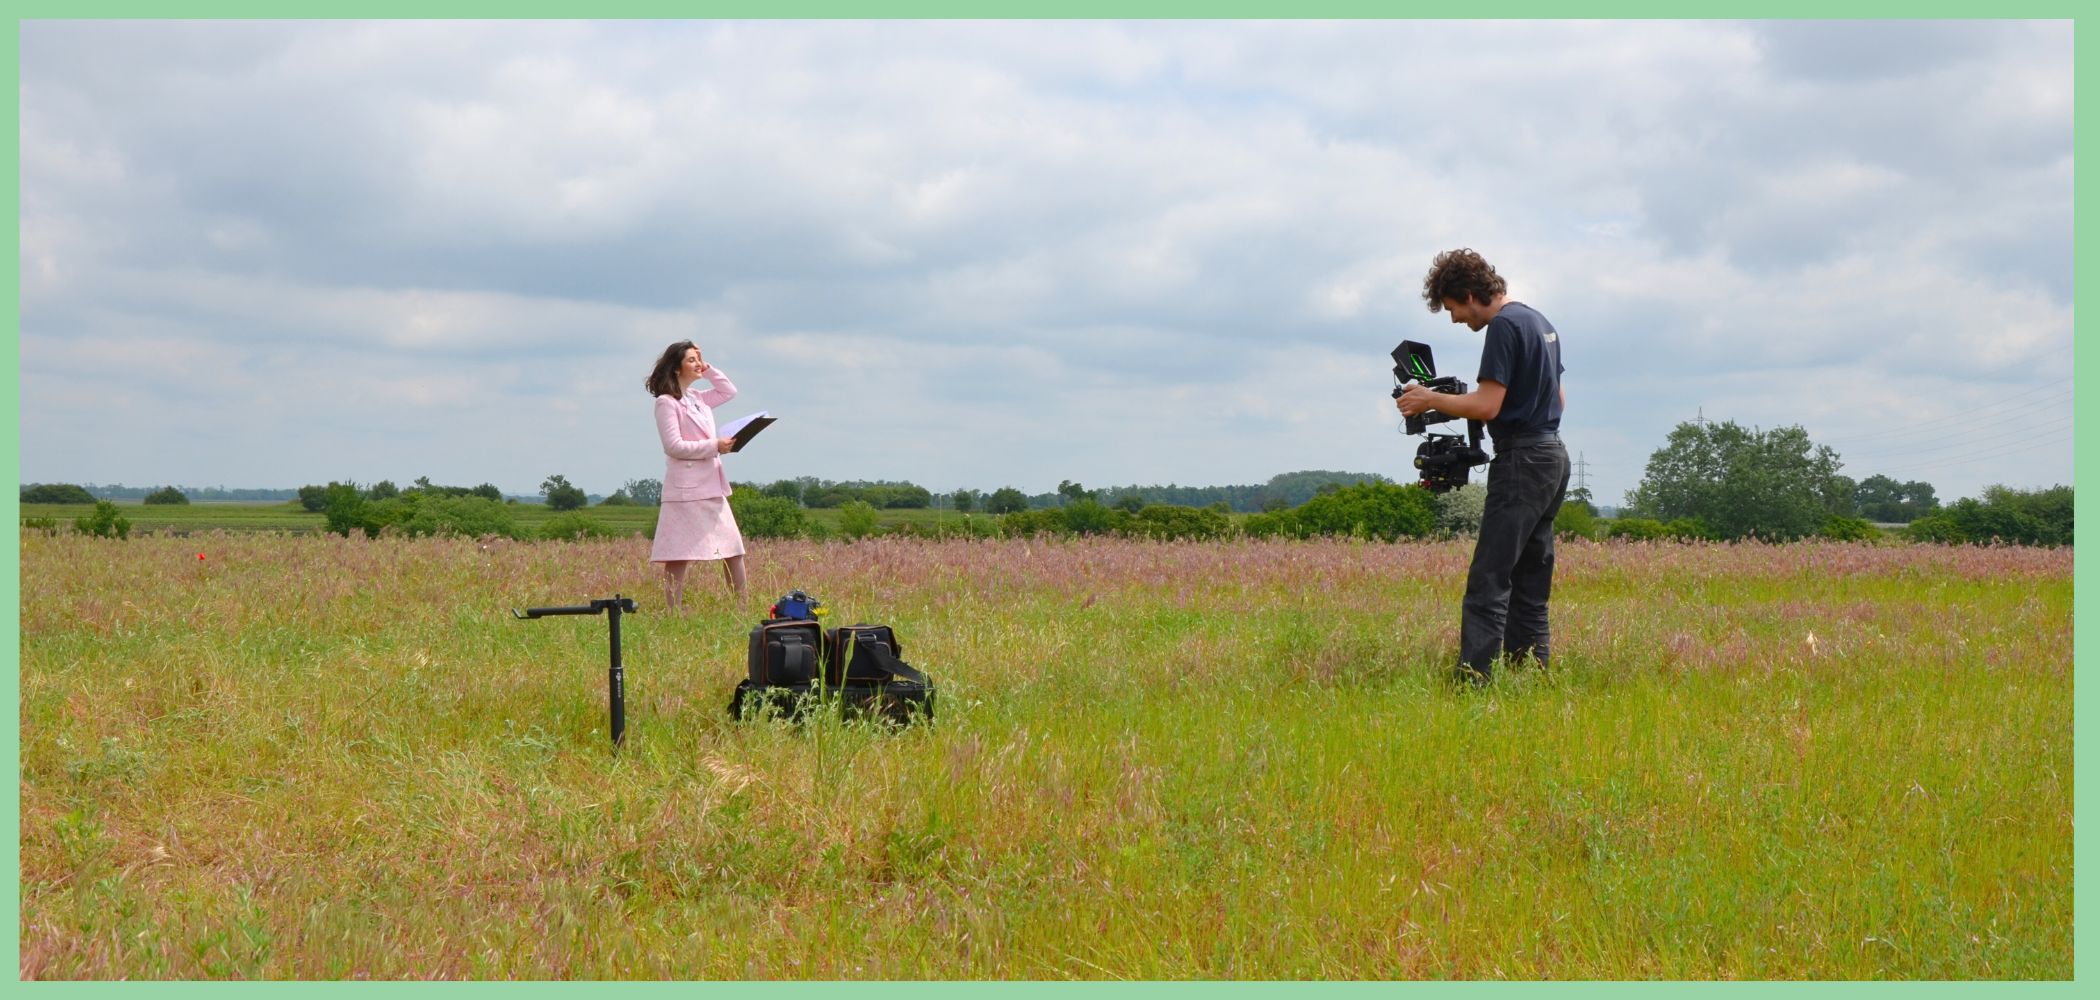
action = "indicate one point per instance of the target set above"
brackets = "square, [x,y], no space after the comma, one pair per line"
[1512,574]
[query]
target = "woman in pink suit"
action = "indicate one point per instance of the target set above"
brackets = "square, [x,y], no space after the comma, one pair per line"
[694,523]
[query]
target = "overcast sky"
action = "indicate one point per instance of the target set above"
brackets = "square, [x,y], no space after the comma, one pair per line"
[988,254]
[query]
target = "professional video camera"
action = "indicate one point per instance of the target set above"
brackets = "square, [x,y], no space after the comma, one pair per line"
[1446,460]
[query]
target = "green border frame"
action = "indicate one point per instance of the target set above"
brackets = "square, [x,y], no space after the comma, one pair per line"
[2084,456]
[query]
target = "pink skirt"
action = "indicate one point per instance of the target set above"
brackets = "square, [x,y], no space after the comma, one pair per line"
[688,530]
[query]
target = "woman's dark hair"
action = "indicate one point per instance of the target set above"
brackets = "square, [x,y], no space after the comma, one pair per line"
[663,379]
[1460,275]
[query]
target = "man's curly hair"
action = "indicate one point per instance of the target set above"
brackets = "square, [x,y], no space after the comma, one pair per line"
[1461,275]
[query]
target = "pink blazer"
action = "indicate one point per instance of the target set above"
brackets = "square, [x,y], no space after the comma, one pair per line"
[692,469]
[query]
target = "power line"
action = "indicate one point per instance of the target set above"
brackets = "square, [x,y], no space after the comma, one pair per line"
[1972,458]
[1964,439]
[1925,427]
[1918,437]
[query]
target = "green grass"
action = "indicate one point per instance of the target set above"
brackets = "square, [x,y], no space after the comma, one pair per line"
[318,757]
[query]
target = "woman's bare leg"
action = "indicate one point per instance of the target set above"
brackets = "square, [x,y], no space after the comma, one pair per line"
[674,584]
[733,571]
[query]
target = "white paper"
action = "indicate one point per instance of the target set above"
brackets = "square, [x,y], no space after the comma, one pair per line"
[731,429]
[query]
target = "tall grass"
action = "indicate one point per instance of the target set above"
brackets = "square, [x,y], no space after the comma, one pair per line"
[321,757]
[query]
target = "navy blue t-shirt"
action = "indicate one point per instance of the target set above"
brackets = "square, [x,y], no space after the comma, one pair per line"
[1523,353]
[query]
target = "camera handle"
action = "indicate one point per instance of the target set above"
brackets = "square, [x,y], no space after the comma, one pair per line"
[615,678]
[1449,385]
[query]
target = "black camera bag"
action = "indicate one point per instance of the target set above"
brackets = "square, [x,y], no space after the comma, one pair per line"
[860,670]
[852,654]
[862,666]
[784,652]
[789,701]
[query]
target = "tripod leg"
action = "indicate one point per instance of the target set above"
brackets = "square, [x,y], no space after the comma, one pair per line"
[616,684]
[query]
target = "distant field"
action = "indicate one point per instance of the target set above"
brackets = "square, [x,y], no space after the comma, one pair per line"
[290,517]
[318,757]
[191,518]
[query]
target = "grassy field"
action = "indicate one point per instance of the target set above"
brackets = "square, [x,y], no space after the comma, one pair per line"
[322,757]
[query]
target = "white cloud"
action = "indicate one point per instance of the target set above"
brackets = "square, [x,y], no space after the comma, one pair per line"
[982,253]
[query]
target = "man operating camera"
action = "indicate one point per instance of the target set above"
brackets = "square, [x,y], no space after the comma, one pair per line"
[1519,397]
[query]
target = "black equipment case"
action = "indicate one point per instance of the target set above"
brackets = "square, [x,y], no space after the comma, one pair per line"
[860,670]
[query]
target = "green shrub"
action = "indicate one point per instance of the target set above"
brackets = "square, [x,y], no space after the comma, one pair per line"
[964,526]
[1638,529]
[415,513]
[1690,529]
[575,527]
[1085,517]
[1272,524]
[1458,512]
[2013,517]
[1935,528]
[1642,529]
[464,516]
[1376,510]
[103,522]
[2008,516]
[1030,523]
[1161,522]
[2045,515]
[345,509]
[46,525]
[167,495]
[1577,520]
[762,516]
[857,519]
[1172,522]
[56,493]
[1849,529]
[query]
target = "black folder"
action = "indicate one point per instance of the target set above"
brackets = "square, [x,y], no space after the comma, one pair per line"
[750,430]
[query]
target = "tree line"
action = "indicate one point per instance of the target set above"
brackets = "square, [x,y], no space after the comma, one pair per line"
[90,492]
[1720,480]
[1284,490]
[1710,480]
[73,493]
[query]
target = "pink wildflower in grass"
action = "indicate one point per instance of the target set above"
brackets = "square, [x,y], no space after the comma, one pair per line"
[303,693]
[1725,601]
